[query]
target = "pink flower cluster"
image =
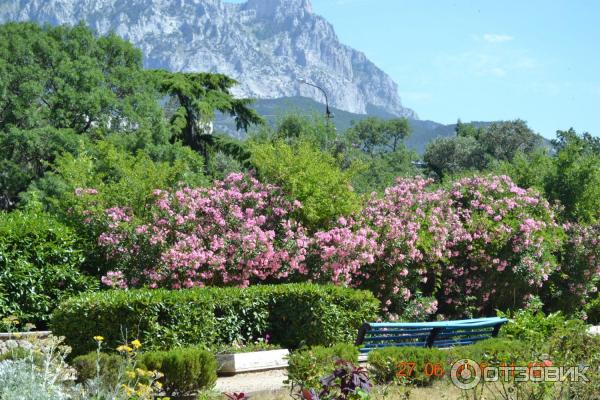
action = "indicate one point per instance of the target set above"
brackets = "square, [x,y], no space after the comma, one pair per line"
[467,248]
[237,232]
[481,243]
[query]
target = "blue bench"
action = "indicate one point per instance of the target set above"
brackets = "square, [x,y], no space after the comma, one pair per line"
[427,334]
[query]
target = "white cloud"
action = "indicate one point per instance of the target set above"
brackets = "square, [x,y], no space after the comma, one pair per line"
[496,38]
[487,63]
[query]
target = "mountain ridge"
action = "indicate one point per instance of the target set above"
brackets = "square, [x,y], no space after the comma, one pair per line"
[267,45]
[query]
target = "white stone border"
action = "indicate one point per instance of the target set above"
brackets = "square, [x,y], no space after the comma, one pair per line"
[252,361]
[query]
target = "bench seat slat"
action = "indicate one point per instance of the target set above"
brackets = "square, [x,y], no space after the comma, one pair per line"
[394,338]
[467,339]
[463,333]
[385,331]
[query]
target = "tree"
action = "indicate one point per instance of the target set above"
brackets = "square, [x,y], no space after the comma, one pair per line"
[447,156]
[309,175]
[379,146]
[467,130]
[61,87]
[374,135]
[575,178]
[502,140]
[198,95]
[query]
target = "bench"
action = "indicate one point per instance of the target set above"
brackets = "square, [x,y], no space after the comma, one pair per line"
[441,334]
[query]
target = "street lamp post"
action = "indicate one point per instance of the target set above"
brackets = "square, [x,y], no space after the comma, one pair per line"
[328,113]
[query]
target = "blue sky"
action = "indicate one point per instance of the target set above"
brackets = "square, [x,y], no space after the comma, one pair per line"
[483,60]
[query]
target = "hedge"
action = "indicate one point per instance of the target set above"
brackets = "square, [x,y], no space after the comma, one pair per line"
[185,370]
[292,315]
[40,265]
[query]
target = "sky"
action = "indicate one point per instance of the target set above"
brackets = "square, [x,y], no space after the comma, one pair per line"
[483,60]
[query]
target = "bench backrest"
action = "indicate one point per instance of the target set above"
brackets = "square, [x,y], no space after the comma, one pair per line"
[427,334]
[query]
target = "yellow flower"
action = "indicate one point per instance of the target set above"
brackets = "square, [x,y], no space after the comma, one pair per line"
[129,391]
[124,349]
[99,339]
[136,344]
[158,385]
[130,374]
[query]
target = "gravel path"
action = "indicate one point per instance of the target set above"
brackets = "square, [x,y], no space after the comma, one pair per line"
[253,382]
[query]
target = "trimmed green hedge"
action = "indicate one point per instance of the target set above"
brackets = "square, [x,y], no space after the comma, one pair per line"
[292,315]
[40,262]
[186,370]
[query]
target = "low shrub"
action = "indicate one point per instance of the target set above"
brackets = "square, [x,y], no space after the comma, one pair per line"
[306,367]
[572,345]
[293,315]
[415,365]
[493,351]
[185,370]
[39,266]
[110,366]
[532,325]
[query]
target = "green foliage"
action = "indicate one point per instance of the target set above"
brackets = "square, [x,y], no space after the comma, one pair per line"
[374,135]
[575,178]
[306,314]
[448,156]
[532,325]
[407,363]
[25,156]
[528,170]
[61,82]
[186,370]
[197,96]
[503,140]
[593,311]
[494,351]
[475,149]
[110,366]
[119,178]
[39,265]
[570,176]
[293,128]
[306,367]
[379,173]
[378,145]
[572,345]
[292,315]
[309,175]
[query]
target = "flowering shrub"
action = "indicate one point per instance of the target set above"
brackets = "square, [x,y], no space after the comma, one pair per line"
[505,250]
[237,232]
[479,244]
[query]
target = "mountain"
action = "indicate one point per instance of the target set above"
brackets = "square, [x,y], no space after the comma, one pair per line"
[267,45]
[422,132]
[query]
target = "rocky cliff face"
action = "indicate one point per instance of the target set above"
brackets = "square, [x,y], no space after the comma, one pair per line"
[267,45]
